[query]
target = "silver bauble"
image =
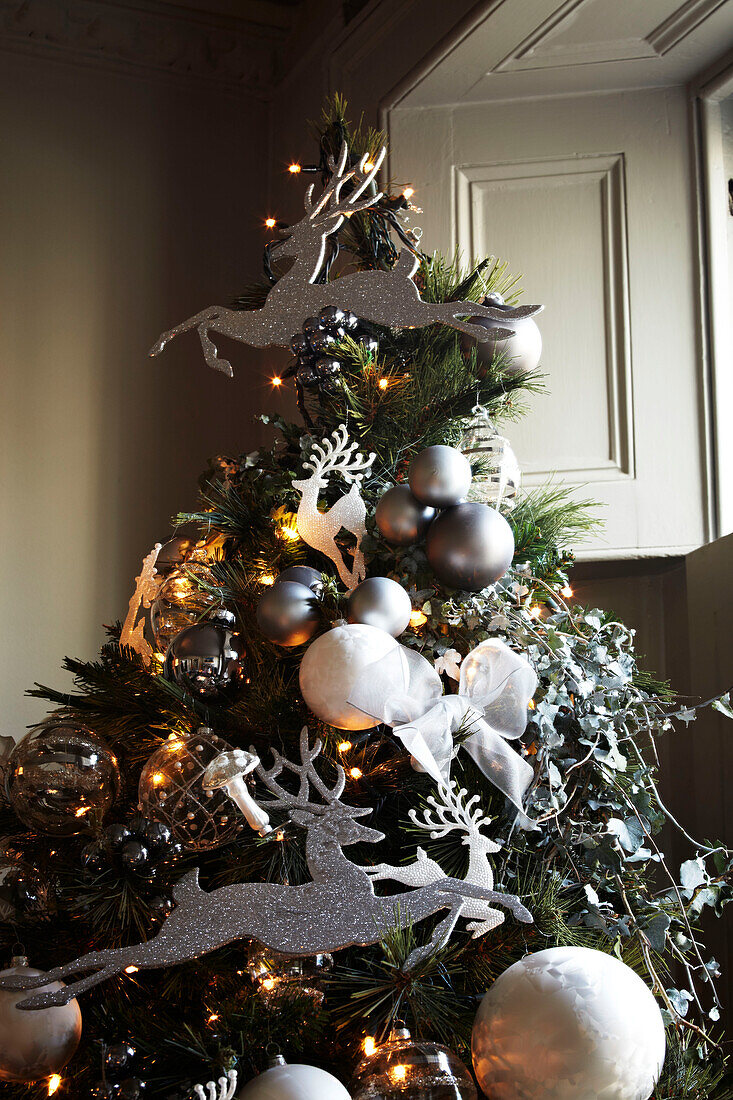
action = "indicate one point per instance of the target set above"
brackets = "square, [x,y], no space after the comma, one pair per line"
[380,602]
[568,1023]
[61,779]
[293,1082]
[402,520]
[403,1068]
[520,352]
[331,666]
[287,614]
[303,574]
[470,546]
[207,658]
[440,476]
[35,1044]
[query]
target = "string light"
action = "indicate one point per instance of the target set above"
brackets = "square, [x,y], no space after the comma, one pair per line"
[212,1017]
[279,835]
[267,579]
[355,773]
[418,619]
[268,984]
[369,1046]
[276,380]
[535,612]
[408,192]
[157,779]
[131,969]
[369,166]
[532,704]
[399,1073]
[294,169]
[270,223]
[289,533]
[54,1082]
[344,746]
[383,383]
[566,591]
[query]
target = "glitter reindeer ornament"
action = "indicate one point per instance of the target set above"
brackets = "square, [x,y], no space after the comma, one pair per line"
[335,455]
[388,298]
[147,586]
[337,908]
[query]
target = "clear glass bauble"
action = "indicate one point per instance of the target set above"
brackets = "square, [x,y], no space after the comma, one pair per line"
[61,779]
[404,1068]
[497,475]
[277,975]
[181,602]
[171,791]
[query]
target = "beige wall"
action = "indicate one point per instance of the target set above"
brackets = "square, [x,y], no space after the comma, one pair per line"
[127,203]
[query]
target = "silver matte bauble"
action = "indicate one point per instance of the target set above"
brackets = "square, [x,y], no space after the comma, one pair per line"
[293,1082]
[61,779]
[303,574]
[207,658]
[568,1023]
[287,614]
[470,546]
[520,352]
[380,602]
[440,476]
[403,1068]
[35,1044]
[331,666]
[402,520]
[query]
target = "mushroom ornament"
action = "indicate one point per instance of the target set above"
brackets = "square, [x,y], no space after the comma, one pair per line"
[227,771]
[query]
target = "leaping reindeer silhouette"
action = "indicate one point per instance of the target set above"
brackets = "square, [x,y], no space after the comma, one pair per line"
[337,909]
[388,298]
[319,529]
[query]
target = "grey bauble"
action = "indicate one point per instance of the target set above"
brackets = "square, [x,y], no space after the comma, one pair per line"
[303,574]
[39,1043]
[287,613]
[381,602]
[520,352]
[470,546]
[440,476]
[207,659]
[401,519]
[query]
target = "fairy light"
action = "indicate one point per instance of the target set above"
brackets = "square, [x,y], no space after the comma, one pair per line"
[566,591]
[157,778]
[535,612]
[418,619]
[369,1046]
[408,192]
[82,811]
[289,533]
[131,969]
[276,381]
[214,1016]
[399,1073]
[294,169]
[268,984]
[54,1083]
[355,773]
[267,579]
[369,166]
[383,383]
[344,746]
[531,704]
[279,835]
[270,223]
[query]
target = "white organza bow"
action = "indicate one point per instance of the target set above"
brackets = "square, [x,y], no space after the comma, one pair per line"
[403,690]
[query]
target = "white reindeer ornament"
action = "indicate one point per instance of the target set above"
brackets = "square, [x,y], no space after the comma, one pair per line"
[335,455]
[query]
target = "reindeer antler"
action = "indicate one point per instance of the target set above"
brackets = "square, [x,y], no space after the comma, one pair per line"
[308,777]
[340,457]
[330,205]
[452,812]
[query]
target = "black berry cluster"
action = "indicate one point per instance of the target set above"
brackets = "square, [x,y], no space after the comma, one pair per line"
[317,366]
[116,1082]
[142,849]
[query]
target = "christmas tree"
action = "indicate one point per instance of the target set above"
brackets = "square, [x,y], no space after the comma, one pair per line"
[365,753]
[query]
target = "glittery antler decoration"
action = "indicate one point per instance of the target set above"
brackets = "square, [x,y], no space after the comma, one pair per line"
[227,1088]
[147,585]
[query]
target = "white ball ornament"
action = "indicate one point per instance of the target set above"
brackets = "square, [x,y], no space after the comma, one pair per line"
[569,1023]
[37,1043]
[293,1082]
[331,666]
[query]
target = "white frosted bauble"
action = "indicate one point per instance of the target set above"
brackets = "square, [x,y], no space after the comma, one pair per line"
[331,666]
[296,1082]
[35,1043]
[569,1023]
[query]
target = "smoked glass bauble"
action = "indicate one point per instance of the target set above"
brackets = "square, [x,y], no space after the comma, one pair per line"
[440,476]
[207,659]
[469,546]
[287,614]
[283,1081]
[496,472]
[171,791]
[380,602]
[331,666]
[180,603]
[401,519]
[568,1023]
[35,1044]
[61,779]
[403,1068]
